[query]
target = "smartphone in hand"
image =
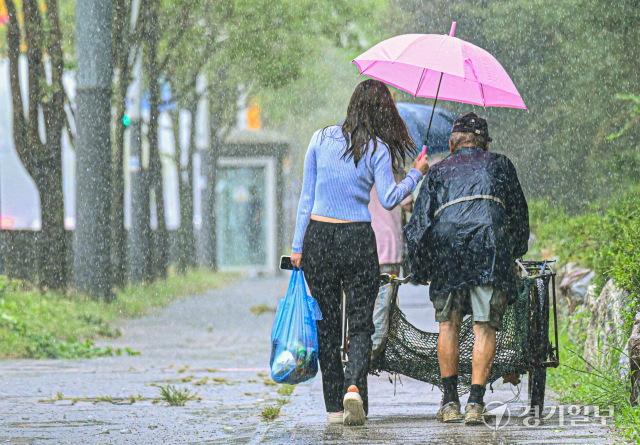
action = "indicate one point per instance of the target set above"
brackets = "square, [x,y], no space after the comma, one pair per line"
[285,263]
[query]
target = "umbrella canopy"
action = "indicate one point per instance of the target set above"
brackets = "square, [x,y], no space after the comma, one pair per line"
[416,116]
[415,63]
[431,65]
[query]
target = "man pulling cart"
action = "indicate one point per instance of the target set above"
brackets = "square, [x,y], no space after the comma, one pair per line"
[470,224]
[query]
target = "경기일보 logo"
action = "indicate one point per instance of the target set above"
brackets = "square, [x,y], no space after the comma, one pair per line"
[499,413]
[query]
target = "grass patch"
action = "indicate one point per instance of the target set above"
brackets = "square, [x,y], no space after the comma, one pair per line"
[262,309]
[176,396]
[114,400]
[605,386]
[202,381]
[286,390]
[606,239]
[54,325]
[270,413]
[46,346]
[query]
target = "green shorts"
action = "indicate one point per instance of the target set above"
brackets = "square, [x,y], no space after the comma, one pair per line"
[485,303]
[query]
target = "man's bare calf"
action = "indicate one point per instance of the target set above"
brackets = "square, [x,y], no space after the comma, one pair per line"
[484,350]
[449,345]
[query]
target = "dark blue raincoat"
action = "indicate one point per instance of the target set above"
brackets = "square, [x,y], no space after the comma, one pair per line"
[476,239]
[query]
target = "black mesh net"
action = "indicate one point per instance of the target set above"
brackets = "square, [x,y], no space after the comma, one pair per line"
[412,352]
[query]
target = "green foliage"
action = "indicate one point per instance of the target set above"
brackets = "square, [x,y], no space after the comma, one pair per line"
[635,115]
[575,383]
[606,239]
[286,390]
[176,396]
[262,309]
[48,325]
[270,413]
[45,346]
[106,399]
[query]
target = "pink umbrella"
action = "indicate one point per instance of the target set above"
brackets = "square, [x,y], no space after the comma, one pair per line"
[440,66]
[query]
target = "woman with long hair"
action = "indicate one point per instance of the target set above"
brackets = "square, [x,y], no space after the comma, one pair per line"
[334,241]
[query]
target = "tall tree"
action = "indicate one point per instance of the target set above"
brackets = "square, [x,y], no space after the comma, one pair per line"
[186,251]
[151,38]
[230,42]
[41,156]
[122,66]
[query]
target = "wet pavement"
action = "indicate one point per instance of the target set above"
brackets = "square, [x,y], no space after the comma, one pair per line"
[214,345]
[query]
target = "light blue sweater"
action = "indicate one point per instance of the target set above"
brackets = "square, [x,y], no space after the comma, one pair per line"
[334,187]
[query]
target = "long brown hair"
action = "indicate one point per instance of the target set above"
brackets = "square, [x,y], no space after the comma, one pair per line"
[371,115]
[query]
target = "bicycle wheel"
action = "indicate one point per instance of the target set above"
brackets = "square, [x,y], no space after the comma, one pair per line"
[540,345]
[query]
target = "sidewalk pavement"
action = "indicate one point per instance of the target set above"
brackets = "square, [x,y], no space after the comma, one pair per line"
[213,344]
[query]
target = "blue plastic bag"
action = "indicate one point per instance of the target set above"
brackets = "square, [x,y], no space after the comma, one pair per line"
[294,337]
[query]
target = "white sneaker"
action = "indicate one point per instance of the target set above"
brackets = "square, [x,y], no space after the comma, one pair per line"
[335,417]
[353,410]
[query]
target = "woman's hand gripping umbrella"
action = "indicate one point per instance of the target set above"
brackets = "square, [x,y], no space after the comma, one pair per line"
[440,66]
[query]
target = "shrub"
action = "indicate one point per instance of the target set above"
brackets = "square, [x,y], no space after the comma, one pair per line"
[606,239]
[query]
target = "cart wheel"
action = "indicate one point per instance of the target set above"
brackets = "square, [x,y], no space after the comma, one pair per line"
[540,344]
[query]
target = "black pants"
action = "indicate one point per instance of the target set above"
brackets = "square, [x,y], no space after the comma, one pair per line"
[339,257]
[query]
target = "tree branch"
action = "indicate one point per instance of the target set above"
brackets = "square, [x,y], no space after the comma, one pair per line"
[191,84]
[175,41]
[55,123]
[33,32]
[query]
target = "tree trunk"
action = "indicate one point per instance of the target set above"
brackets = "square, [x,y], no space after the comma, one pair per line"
[121,49]
[181,254]
[161,257]
[17,253]
[52,239]
[42,160]
[139,258]
[186,243]
[187,191]
[92,254]
[118,231]
[208,163]
[53,246]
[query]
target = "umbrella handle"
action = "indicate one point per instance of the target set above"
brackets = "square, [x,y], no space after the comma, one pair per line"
[424,147]
[433,110]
